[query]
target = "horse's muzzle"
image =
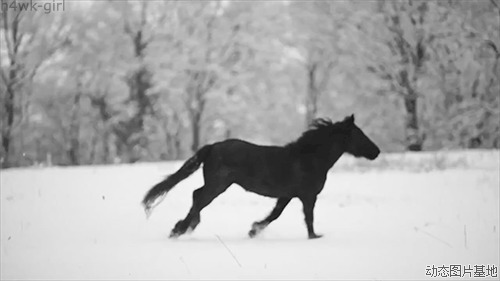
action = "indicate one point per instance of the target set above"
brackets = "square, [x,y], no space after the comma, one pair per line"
[374,156]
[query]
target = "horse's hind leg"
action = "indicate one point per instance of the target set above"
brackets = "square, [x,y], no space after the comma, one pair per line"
[201,198]
[257,227]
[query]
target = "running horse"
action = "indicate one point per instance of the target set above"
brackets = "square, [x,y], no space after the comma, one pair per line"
[298,169]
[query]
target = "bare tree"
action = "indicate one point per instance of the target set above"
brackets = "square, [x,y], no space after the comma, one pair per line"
[28,48]
[406,38]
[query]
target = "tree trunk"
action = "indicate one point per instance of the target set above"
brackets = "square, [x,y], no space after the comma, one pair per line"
[311,95]
[105,147]
[413,138]
[9,103]
[195,127]
[130,132]
[105,112]
[198,87]
[74,132]
[9,111]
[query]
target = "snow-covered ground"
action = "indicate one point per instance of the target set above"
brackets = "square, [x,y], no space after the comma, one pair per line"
[381,220]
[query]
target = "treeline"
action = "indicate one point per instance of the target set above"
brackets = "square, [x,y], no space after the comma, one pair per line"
[127,81]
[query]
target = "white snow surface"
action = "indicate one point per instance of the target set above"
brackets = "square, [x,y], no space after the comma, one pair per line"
[379,221]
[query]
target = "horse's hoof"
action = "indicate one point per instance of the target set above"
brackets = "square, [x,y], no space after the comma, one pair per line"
[257,227]
[315,236]
[174,235]
[147,210]
[252,233]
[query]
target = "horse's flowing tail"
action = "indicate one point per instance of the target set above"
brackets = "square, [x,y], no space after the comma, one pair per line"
[160,189]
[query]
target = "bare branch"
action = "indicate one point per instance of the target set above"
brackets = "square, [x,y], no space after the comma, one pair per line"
[18,16]
[494,47]
[4,78]
[127,28]
[495,4]
[143,13]
[6,34]
[16,37]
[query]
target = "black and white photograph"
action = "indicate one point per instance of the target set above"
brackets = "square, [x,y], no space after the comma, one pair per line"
[249,140]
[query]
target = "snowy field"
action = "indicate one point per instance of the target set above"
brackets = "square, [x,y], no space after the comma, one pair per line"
[387,219]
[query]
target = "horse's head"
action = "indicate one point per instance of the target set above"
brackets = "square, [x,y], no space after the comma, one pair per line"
[358,144]
[335,139]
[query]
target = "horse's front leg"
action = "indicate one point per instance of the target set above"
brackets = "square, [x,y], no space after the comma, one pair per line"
[308,203]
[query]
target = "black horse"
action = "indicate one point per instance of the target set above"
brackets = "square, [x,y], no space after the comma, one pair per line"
[297,169]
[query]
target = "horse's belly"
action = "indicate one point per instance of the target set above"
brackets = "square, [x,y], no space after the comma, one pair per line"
[267,190]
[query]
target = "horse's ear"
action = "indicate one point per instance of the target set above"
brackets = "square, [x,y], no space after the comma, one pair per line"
[350,119]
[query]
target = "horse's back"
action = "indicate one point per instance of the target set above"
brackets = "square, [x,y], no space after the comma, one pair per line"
[238,152]
[266,170]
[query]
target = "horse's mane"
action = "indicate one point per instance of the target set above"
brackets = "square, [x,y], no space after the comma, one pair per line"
[320,131]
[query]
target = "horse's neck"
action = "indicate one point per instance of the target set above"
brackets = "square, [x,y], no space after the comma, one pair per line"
[327,156]
[334,156]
